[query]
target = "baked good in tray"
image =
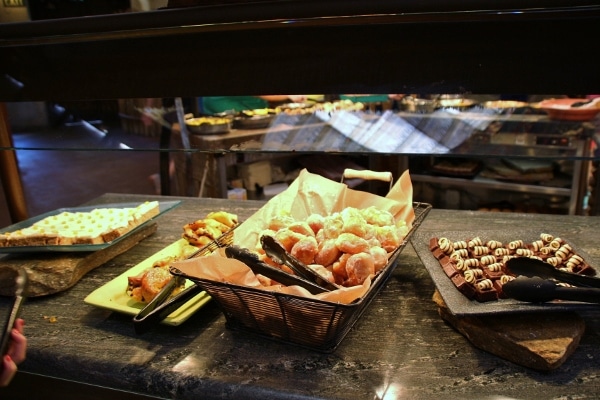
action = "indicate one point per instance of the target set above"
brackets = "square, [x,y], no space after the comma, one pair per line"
[100,225]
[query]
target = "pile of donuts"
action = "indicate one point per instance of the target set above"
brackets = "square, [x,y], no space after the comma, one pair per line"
[345,247]
[203,231]
[478,269]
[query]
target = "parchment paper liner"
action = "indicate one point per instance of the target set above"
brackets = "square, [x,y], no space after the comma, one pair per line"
[309,193]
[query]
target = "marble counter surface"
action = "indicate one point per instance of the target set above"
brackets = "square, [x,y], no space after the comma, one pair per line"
[400,348]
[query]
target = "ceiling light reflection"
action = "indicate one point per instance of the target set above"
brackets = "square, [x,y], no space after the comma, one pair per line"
[191,363]
[390,391]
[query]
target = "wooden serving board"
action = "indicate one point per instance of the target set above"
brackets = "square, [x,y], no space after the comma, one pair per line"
[51,273]
[541,341]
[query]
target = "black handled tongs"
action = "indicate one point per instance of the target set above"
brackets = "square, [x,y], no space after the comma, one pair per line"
[280,255]
[538,290]
[260,267]
[159,308]
[536,283]
[532,267]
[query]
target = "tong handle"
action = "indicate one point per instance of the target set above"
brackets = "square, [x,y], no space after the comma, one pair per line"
[144,321]
[584,294]
[532,267]
[577,279]
[259,267]
[539,290]
[21,282]
[160,298]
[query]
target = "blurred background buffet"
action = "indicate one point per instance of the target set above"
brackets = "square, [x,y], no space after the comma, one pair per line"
[535,154]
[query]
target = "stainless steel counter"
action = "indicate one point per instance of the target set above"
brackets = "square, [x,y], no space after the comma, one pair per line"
[400,348]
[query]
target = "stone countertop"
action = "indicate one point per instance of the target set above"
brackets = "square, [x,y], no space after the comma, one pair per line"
[399,348]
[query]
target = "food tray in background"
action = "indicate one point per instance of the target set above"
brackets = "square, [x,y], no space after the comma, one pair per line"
[562,109]
[254,122]
[311,323]
[208,125]
[504,104]
[456,167]
[459,304]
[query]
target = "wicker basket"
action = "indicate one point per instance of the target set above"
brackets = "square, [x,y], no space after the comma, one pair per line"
[303,321]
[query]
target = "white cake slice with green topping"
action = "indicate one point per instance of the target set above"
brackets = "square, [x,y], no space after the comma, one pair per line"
[101,225]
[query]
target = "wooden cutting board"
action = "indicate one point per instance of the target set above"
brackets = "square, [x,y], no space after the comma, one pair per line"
[541,341]
[51,273]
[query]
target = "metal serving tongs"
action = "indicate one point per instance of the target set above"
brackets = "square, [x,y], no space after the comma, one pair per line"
[260,267]
[533,267]
[279,254]
[159,308]
[538,290]
[536,283]
[21,282]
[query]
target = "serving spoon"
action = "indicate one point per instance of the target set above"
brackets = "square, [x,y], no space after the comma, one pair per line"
[533,267]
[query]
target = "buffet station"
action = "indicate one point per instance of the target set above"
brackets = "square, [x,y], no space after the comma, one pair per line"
[324,290]
[446,142]
[321,292]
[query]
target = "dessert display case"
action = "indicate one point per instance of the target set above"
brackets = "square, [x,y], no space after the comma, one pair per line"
[509,140]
